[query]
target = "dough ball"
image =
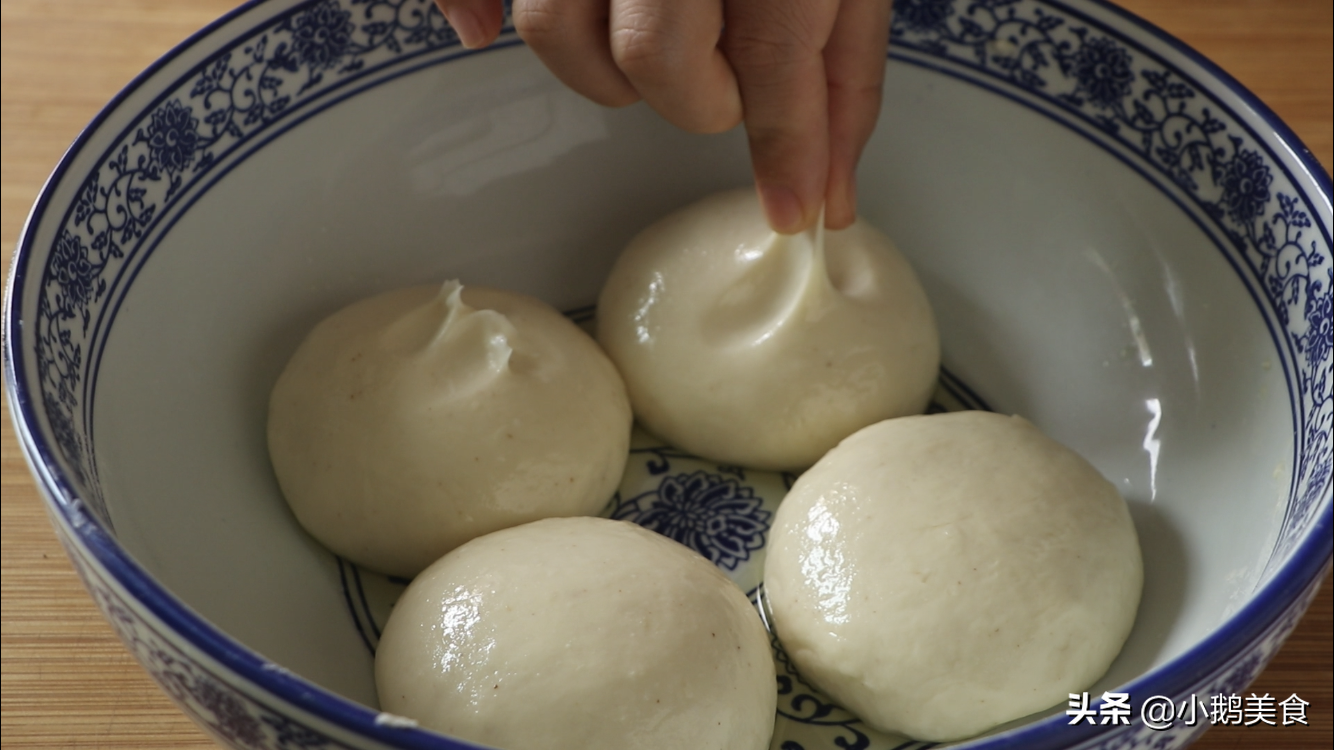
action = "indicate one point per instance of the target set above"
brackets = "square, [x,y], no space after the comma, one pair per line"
[408,423]
[941,575]
[579,633]
[764,350]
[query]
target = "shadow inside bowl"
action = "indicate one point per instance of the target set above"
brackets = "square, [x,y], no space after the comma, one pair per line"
[1166,582]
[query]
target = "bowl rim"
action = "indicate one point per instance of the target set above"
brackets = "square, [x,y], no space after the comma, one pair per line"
[1279,596]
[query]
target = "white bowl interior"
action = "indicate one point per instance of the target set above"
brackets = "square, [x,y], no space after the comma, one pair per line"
[1069,290]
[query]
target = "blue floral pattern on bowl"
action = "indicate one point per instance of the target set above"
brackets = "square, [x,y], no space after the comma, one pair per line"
[722,512]
[709,513]
[1074,66]
[1047,50]
[305,54]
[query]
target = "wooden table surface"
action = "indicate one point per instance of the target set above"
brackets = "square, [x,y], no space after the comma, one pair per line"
[67,681]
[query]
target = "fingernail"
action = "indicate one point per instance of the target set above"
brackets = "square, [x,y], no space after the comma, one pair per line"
[782,208]
[467,26]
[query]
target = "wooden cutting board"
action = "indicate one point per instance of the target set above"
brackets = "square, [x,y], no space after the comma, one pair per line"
[67,681]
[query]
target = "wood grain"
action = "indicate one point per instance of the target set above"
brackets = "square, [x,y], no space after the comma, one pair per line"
[68,683]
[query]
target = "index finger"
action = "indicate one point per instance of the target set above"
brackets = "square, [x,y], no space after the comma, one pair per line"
[855,64]
[776,49]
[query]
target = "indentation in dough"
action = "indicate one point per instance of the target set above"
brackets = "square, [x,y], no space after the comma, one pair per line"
[468,347]
[784,279]
[849,265]
[410,422]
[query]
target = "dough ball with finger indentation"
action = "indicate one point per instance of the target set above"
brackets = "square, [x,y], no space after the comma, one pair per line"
[764,350]
[408,423]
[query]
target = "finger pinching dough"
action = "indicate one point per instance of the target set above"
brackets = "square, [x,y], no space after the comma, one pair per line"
[940,575]
[579,633]
[764,350]
[408,423]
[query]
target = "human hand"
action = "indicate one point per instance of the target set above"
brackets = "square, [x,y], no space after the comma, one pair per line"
[804,75]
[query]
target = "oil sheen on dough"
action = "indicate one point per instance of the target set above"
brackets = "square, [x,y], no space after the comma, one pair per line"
[764,350]
[580,633]
[941,575]
[408,423]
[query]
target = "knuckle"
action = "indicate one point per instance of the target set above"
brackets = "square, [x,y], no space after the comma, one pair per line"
[642,46]
[537,23]
[864,91]
[775,43]
[763,62]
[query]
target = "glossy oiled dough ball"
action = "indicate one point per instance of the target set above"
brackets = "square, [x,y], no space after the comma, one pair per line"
[408,423]
[579,633]
[764,350]
[941,575]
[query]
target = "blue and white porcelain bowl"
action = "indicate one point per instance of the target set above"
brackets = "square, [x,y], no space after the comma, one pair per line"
[1121,244]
